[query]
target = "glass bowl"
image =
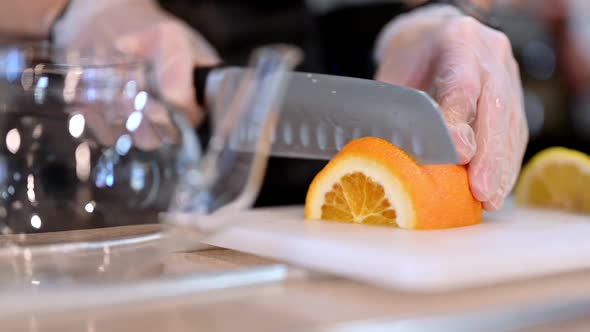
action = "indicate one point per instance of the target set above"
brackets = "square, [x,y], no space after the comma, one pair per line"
[94,166]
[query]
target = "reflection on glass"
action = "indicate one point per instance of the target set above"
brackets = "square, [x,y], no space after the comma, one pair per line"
[13,140]
[133,121]
[71,83]
[91,94]
[89,207]
[26,79]
[31,195]
[130,89]
[140,100]
[82,155]
[38,131]
[137,177]
[27,254]
[123,145]
[77,123]
[36,221]
[17,205]
[13,60]
[40,89]
[31,188]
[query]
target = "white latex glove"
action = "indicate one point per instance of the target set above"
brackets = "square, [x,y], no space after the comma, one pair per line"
[142,28]
[470,70]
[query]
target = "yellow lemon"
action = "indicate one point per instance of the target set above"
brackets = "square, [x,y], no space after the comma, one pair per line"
[556,177]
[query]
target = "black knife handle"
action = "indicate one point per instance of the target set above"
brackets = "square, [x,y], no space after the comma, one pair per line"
[200,75]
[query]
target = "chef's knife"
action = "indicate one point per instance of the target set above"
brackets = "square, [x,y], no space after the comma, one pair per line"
[321,113]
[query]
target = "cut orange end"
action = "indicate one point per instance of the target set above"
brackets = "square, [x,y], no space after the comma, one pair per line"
[371,181]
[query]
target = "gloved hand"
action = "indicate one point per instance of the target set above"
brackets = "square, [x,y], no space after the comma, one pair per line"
[141,28]
[470,70]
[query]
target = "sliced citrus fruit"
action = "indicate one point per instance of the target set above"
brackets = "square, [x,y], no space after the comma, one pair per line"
[371,181]
[556,177]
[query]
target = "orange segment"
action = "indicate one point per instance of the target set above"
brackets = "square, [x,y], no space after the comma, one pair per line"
[371,181]
[357,198]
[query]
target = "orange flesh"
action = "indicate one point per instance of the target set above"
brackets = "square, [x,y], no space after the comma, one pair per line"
[357,198]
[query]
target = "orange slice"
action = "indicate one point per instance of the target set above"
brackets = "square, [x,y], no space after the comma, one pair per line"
[371,181]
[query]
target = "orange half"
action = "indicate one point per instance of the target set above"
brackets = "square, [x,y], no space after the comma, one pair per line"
[371,181]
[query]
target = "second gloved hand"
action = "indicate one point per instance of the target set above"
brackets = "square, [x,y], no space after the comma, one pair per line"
[141,27]
[470,70]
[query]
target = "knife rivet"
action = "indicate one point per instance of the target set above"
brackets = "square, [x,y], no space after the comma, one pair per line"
[417,146]
[339,138]
[304,135]
[287,133]
[322,137]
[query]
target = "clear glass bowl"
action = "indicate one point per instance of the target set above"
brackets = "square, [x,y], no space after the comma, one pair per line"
[85,145]
[87,152]
[94,166]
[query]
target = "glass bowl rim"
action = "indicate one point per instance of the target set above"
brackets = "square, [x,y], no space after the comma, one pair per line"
[70,58]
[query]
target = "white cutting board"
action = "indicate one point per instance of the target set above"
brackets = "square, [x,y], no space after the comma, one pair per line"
[512,243]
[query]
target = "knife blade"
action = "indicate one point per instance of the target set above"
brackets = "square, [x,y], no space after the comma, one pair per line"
[321,113]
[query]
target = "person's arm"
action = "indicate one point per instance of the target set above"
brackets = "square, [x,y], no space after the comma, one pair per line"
[29,19]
